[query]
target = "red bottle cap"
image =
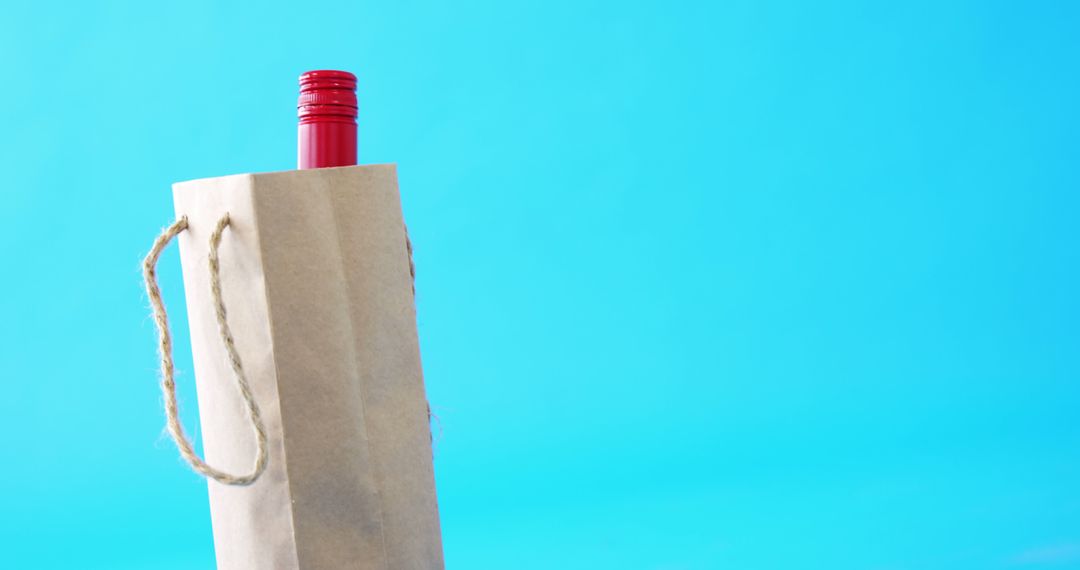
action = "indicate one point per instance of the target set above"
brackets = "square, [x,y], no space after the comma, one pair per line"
[326,93]
[327,111]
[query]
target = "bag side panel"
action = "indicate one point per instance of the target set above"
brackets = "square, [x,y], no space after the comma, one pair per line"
[253,526]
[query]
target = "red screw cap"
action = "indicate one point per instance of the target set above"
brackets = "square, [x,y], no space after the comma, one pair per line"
[327,112]
[327,92]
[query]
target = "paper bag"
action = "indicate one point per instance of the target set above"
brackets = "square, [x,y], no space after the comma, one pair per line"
[315,275]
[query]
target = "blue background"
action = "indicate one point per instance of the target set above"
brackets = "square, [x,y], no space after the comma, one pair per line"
[749,285]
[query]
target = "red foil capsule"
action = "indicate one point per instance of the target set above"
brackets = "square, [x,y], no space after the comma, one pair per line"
[327,113]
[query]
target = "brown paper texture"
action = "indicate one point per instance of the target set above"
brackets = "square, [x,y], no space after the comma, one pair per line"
[315,279]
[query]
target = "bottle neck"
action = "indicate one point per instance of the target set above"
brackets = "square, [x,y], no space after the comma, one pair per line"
[324,144]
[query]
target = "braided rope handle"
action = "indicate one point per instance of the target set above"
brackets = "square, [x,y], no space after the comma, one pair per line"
[168,385]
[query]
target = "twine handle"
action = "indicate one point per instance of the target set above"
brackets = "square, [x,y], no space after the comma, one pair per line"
[168,385]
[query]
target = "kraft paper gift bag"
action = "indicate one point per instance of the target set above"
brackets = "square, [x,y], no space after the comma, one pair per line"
[307,366]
